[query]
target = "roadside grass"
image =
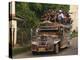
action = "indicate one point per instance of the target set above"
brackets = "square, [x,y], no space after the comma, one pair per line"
[74,34]
[19,50]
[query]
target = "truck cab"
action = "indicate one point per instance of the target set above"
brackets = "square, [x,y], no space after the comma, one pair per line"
[48,39]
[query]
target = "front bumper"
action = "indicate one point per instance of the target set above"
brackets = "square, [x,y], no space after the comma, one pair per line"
[43,49]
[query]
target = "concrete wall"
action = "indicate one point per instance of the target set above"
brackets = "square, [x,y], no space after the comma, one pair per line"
[12,8]
[13,31]
[13,23]
[74,16]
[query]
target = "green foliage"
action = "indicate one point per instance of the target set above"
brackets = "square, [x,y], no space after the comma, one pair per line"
[19,50]
[22,10]
[74,34]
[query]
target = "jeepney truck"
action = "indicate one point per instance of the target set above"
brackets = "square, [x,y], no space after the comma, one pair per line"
[50,37]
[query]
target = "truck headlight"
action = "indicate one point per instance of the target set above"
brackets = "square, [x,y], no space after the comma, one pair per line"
[35,43]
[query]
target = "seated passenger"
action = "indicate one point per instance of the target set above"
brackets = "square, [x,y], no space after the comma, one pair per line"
[67,19]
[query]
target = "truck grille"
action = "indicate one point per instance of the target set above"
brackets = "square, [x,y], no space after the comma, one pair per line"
[42,43]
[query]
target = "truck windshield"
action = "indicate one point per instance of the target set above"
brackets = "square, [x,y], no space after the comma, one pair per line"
[43,38]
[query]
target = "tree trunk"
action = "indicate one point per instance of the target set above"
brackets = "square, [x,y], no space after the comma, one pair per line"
[22,39]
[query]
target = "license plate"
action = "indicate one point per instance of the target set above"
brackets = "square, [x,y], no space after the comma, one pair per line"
[41,49]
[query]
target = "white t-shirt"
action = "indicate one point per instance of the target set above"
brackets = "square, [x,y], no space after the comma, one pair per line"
[61,16]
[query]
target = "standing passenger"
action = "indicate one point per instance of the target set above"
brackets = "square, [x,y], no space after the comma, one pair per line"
[60,16]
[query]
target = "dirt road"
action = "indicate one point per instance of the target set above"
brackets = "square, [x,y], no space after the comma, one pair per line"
[73,50]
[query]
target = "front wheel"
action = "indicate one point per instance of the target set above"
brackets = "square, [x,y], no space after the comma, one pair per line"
[56,47]
[68,44]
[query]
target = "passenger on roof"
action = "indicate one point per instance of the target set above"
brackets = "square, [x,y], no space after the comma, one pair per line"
[60,16]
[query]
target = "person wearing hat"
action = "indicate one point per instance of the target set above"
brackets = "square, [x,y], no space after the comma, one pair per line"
[60,16]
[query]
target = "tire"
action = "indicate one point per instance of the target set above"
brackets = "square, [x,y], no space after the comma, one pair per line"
[68,44]
[56,48]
